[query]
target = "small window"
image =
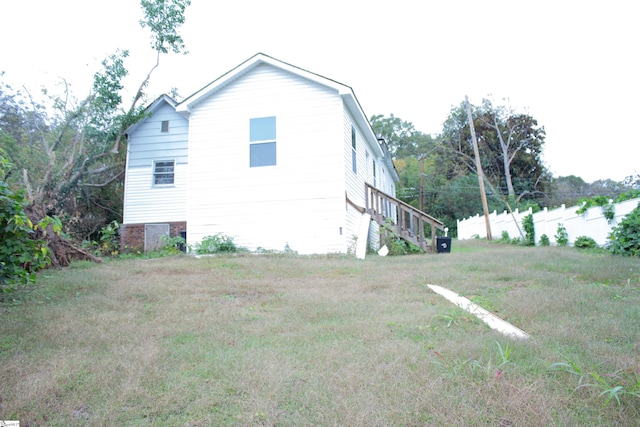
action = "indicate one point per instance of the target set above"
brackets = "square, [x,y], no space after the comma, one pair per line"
[375,180]
[165,126]
[354,158]
[262,135]
[163,172]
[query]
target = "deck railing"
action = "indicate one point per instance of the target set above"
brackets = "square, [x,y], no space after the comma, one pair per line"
[403,219]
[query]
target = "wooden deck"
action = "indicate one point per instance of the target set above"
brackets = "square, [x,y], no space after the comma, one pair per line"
[401,218]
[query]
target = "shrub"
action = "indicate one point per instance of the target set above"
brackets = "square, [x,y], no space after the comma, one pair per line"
[625,237]
[504,237]
[585,242]
[529,231]
[172,245]
[21,253]
[109,244]
[562,237]
[399,246]
[395,244]
[544,240]
[109,241]
[220,243]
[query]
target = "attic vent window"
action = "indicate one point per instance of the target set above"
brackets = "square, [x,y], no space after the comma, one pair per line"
[165,126]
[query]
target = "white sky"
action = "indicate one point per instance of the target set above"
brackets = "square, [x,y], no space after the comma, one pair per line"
[572,65]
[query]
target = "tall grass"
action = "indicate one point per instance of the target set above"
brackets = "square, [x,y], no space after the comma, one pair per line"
[281,340]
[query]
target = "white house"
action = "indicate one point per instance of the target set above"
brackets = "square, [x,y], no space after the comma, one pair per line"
[155,193]
[269,154]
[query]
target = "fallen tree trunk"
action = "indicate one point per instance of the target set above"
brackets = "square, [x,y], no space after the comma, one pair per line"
[63,251]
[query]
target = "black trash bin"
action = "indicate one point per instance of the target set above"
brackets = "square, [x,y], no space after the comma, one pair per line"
[443,245]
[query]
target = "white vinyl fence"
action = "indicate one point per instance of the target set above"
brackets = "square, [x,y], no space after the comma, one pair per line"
[592,223]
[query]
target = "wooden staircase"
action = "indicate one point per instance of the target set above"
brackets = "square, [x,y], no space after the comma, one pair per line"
[401,218]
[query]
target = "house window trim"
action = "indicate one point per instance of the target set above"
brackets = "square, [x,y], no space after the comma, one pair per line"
[256,141]
[164,126]
[154,173]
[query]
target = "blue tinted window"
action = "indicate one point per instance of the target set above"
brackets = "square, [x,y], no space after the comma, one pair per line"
[263,129]
[263,154]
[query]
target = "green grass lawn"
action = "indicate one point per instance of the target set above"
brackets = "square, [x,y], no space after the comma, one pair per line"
[327,341]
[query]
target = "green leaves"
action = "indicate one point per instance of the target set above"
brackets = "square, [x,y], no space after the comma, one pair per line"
[163,18]
[107,83]
[220,243]
[614,385]
[625,237]
[529,230]
[21,252]
[562,236]
[510,146]
[402,138]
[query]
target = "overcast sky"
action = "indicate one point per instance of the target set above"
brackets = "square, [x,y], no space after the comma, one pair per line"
[572,65]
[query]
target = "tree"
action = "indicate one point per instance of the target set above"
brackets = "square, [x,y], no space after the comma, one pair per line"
[510,145]
[632,182]
[571,190]
[69,153]
[401,136]
[516,135]
[567,190]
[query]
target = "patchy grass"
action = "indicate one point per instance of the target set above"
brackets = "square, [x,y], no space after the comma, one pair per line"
[295,341]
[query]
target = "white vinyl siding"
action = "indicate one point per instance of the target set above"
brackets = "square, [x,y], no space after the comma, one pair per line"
[370,170]
[146,204]
[149,142]
[299,203]
[354,182]
[148,146]
[262,134]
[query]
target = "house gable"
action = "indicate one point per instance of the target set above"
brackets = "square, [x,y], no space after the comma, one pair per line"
[156,169]
[298,198]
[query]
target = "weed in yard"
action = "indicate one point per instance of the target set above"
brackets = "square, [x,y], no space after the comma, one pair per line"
[452,366]
[484,302]
[490,368]
[616,385]
[456,316]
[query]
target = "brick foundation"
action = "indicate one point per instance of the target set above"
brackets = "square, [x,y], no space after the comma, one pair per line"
[132,235]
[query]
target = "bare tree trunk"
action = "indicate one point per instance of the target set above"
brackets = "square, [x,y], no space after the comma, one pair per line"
[507,172]
[506,159]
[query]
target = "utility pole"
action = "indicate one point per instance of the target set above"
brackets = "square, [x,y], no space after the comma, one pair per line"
[483,195]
